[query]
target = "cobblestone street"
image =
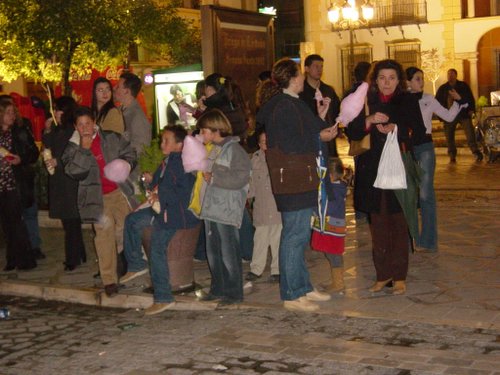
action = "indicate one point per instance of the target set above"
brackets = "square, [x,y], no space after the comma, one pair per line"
[447,323]
[58,338]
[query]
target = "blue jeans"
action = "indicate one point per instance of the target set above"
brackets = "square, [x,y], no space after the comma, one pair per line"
[224,261]
[160,238]
[295,235]
[135,223]
[246,236]
[426,158]
[30,217]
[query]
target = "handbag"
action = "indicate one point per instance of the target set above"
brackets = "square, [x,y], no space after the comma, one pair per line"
[360,146]
[292,173]
[391,174]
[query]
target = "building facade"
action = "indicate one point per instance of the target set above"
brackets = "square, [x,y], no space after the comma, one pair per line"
[465,34]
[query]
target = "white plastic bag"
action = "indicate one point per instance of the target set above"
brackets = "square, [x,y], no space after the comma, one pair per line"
[391,173]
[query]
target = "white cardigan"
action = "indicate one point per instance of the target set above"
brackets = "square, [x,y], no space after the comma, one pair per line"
[429,105]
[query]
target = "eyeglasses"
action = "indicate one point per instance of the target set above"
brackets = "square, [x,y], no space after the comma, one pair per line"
[102,90]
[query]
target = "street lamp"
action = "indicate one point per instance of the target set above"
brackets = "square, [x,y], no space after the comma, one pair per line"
[347,17]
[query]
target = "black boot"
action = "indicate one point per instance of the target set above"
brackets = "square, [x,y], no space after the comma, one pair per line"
[479,156]
[38,253]
[121,264]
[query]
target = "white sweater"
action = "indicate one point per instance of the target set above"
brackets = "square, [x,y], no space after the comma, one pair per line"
[429,105]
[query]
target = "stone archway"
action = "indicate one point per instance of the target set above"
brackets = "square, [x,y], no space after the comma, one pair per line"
[488,67]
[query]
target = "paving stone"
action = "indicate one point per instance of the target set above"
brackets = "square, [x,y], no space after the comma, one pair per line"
[466,371]
[21,346]
[424,367]
[451,361]
[344,357]
[263,348]
[400,357]
[13,331]
[294,352]
[486,365]
[18,340]
[180,371]
[273,366]
[379,362]
[241,362]
[327,348]
[243,371]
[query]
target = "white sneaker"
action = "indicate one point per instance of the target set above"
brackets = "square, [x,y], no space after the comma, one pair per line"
[318,296]
[301,304]
[132,275]
[157,308]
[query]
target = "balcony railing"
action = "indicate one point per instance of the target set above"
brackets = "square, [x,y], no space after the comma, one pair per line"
[398,13]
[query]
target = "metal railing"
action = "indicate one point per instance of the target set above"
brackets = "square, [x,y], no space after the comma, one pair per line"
[398,13]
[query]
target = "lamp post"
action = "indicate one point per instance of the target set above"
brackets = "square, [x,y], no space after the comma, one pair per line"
[347,17]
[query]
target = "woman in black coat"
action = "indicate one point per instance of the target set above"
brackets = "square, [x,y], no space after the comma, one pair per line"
[219,95]
[63,190]
[17,152]
[389,105]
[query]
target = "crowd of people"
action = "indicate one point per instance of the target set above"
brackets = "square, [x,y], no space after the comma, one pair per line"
[92,153]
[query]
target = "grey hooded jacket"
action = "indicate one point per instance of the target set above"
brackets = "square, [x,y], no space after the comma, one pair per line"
[224,199]
[80,164]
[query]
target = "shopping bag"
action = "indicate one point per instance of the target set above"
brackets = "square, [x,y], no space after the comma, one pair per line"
[391,173]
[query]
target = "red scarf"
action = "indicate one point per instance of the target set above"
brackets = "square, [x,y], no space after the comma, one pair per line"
[385,98]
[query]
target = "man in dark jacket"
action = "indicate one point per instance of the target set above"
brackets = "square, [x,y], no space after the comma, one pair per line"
[464,116]
[314,89]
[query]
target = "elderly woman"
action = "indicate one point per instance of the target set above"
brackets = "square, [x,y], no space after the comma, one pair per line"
[17,152]
[292,127]
[388,105]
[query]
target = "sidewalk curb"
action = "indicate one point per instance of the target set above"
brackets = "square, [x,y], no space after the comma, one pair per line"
[93,296]
[96,297]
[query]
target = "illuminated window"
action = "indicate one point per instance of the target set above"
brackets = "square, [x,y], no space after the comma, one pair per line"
[405,51]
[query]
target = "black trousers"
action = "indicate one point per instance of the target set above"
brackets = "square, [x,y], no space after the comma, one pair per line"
[19,253]
[74,247]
